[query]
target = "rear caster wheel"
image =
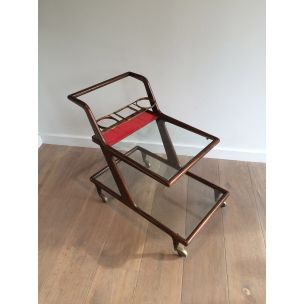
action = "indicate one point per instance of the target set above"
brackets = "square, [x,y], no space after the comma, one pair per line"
[147,163]
[144,158]
[224,205]
[102,196]
[182,252]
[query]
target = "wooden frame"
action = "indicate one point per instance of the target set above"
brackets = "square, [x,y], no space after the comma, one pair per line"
[113,157]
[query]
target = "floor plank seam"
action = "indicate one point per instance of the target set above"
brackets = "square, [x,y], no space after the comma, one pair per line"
[71,229]
[229,283]
[98,257]
[85,297]
[139,269]
[222,217]
[227,277]
[181,297]
[256,205]
[135,287]
[93,276]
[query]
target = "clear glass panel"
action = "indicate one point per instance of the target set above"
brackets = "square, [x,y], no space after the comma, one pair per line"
[152,138]
[180,207]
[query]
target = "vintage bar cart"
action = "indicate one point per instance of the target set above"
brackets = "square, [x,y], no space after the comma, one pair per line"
[142,118]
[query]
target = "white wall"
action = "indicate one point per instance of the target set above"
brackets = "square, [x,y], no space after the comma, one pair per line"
[208,54]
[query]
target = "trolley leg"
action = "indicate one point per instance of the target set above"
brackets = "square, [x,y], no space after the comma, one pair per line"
[102,196]
[168,145]
[181,251]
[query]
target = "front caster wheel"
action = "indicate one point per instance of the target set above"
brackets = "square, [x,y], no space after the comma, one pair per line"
[181,251]
[102,196]
[224,205]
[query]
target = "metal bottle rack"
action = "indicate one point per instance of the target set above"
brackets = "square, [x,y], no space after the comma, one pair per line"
[141,116]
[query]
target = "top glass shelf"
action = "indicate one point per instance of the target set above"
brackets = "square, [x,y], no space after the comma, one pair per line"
[163,141]
[145,129]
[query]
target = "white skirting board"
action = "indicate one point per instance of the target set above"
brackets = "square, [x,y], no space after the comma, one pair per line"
[39,141]
[218,152]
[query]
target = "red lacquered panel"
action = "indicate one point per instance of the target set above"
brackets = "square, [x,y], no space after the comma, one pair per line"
[126,128]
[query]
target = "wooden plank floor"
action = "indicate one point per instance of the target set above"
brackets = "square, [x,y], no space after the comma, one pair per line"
[91,252]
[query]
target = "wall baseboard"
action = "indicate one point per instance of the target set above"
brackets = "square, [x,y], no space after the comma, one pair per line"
[39,141]
[217,152]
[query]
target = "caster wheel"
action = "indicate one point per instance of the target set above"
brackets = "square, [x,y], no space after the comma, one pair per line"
[224,205]
[182,252]
[147,163]
[103,197]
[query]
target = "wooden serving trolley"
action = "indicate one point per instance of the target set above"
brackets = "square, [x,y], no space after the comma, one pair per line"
[137,125]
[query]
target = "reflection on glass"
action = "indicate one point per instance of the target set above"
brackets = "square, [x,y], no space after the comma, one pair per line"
[154,137]
[180,207]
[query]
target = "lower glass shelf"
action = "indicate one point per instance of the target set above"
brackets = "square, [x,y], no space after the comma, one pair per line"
[180,207]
